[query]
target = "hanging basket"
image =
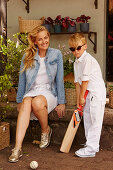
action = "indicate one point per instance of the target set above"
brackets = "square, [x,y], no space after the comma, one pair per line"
[28,25]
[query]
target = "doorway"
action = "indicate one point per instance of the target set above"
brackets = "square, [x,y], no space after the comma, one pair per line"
[109,45]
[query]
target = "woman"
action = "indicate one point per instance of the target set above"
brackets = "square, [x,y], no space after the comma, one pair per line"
[40,89]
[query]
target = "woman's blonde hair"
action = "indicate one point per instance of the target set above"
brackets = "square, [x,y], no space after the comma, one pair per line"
[32,48]
[77,38]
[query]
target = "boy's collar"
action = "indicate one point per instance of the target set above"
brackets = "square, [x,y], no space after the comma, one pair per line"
[81,57]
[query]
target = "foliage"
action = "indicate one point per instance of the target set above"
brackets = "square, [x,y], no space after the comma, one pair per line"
[58,20]
[48,21]
[3,112]
[83,19]
[68,59]
[69,84]
[11,58]
[110,87]
[67,21]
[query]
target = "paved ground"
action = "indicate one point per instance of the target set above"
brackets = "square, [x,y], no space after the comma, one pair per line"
[51,159]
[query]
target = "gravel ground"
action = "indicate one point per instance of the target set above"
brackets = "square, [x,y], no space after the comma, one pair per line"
[52,159]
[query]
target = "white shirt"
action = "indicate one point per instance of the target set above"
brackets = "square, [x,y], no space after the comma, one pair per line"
[86,68]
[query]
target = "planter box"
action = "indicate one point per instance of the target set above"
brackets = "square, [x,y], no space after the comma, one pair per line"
[71,99]
[11,95]
[4,135]
[111,97]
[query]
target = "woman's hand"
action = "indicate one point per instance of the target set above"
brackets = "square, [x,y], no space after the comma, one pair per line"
[18,106]
[60,110]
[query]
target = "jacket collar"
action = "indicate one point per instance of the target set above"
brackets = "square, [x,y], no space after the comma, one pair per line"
[36,57]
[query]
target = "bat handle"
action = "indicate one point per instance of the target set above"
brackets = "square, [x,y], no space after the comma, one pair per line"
[80,109]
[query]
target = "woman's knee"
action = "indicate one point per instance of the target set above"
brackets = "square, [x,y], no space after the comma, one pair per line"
[39,103]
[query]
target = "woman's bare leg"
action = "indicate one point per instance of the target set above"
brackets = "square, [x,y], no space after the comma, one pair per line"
[39,106]
[23,121]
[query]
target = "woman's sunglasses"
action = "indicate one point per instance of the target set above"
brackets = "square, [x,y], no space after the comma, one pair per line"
[78,48]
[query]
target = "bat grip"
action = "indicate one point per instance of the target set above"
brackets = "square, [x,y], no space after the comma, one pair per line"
[80,109]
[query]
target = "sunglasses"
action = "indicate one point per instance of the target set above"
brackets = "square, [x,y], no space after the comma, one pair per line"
[78,48]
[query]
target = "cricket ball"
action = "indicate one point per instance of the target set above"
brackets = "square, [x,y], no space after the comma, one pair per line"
[34,164]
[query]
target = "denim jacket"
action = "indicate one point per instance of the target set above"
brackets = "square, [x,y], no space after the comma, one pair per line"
[54,67]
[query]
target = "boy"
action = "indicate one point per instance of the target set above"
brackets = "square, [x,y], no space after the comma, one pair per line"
[88,76]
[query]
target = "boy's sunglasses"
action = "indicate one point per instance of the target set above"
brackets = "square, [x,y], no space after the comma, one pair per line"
[78,48]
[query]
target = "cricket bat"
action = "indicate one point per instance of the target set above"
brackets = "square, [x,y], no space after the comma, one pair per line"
[72,128]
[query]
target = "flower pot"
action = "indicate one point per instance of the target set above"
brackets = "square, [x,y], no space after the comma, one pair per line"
[71,29]
[71,99]
[11,95]
[84,27]
[47,26]
[57,28]
[4,135]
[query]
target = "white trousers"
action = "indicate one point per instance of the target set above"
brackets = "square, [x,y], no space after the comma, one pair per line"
[93,118]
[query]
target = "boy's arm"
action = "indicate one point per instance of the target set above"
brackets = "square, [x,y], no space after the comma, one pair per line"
[77,92]
[83,89]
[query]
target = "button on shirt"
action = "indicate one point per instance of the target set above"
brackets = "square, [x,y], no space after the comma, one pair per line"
[86,68]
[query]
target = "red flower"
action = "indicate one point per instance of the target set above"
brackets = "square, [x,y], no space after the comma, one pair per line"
[83,19]
[58,20]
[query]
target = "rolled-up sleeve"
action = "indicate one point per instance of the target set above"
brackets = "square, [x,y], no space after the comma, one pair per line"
[86,70]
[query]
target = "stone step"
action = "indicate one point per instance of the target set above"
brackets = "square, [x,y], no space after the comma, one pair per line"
[59,125]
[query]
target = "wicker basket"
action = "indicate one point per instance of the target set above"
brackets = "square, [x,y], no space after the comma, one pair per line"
[29,25]
[71,99]
[4,135]
[111,97]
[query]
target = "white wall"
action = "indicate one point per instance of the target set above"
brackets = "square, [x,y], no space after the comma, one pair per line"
[72,8]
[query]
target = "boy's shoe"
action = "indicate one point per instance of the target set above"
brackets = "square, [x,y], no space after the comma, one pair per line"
[84,153]
[45,139]
[84,144]
[16,154]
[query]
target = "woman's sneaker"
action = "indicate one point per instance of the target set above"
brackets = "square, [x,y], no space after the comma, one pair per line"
[45,139]
[16,154]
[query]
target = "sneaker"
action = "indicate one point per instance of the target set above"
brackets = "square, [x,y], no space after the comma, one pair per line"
[45,139]
[84,153]
[84,145]
[16,154]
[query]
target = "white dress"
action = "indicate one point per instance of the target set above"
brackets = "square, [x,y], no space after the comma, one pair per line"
[41,87]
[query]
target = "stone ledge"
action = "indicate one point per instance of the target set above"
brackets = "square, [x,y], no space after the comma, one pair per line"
[12,113]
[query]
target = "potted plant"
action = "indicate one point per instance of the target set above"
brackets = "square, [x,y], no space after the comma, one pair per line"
[68,59]
[70,93]
[70,90]
[11,58]
[69,24]
[58,24]
[84,25]
[48,23]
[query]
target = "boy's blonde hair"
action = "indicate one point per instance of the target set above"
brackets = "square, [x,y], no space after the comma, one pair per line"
[76,39]
[32,49]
